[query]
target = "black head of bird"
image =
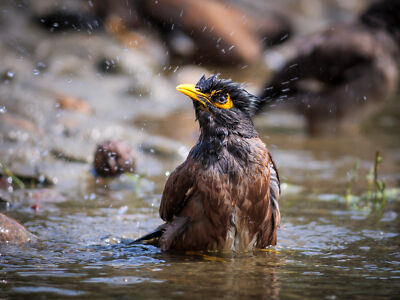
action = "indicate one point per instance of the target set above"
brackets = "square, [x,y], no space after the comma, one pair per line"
[222,104]
[225,194]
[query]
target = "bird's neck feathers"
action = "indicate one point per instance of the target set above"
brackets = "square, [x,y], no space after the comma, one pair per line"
[216,140]
[229,122]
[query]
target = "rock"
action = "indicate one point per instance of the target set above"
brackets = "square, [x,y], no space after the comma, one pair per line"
[7,76]
[73,15]
[24,162]
[220,32]
[12,232]
[72,149]
[338,73]
[19,129]
[164,147]
[38,196]
[137,39]
[5,200]
[113,158]
[74,104]
[190,73]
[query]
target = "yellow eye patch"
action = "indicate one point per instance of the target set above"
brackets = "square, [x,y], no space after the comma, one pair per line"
[227,105]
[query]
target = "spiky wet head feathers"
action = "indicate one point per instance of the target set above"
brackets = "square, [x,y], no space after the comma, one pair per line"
[241,99]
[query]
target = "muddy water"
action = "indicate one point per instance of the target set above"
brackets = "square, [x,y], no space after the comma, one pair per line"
[326,250]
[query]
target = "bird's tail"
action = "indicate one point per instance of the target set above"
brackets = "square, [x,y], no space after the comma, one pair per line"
[151,237]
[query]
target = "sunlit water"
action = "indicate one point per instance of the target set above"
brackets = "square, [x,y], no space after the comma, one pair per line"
[326,249]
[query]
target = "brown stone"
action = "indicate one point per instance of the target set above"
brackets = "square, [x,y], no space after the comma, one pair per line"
[221,33]
[335,75]
[12,232]
[113,158]
[74,104]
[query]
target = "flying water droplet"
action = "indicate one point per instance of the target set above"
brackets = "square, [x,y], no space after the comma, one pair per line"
[10,74]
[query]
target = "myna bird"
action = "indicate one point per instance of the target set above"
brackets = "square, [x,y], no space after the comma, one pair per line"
[339,72]
[225,195]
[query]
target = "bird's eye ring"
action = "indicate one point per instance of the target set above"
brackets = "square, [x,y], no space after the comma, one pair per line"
[221,100]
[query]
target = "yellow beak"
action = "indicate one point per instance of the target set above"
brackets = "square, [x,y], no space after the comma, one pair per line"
[194,93]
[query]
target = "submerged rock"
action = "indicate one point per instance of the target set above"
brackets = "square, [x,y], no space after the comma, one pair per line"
[12,232]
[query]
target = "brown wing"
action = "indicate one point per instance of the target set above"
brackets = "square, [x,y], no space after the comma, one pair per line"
[265,191]
[177,190]
[274,192]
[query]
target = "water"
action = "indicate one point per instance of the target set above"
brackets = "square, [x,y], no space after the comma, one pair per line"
[326,249]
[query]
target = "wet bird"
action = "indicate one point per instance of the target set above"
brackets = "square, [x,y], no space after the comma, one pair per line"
[337,73]
[224,196]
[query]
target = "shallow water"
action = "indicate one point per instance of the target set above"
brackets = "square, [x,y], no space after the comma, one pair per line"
[326,249]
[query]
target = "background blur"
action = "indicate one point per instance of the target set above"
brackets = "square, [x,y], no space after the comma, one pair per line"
[77,74]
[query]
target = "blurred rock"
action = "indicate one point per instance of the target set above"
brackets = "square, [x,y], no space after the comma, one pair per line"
[7,76]
[17,128]
[73,15]
[189,73]
[208,31]
[72,149]
[164,147]
[273,28]
[75,104]
[5,200]
[38,196]
[12,232]
[220,32]
[113,158]
[336,74]
[134,38]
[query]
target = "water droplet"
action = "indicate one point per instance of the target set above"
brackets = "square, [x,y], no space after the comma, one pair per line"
[10,74]
[42,178]
[3,109]
[284,37]
[36,72]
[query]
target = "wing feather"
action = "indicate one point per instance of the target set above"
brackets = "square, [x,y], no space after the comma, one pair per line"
[178,189]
